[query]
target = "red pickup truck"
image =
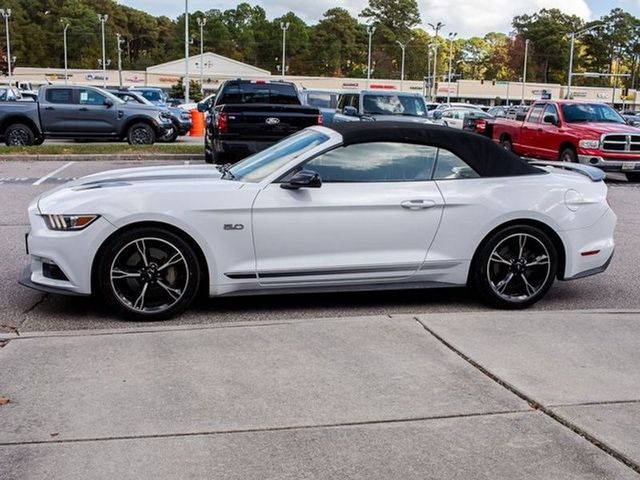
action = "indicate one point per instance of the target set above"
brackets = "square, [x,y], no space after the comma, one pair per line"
[569,131]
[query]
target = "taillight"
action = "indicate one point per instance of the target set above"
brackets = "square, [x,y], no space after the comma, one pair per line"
[320,119]
[481,125]
[222,120]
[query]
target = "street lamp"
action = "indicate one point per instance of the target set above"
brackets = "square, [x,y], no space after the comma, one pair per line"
[524,73]
[403,46]
[575,35]
[283,64]
[437,27]
[371,29]
[103,19]
[201,23]
[452,35]
[6,14]
[120,42]
[186,52]
[64,35]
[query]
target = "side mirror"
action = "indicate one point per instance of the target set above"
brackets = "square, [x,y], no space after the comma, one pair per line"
[552,119]
[203,107]
[437,115]
[303,179]
[350,111]
[108,102]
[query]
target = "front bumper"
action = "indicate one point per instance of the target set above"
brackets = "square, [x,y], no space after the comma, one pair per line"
[611,164]
[24,279]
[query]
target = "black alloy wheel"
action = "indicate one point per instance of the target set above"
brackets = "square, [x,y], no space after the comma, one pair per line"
[19,135]
[141,134]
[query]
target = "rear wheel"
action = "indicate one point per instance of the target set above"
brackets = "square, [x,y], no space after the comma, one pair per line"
[149,274]
[633,176]
[141,134]
[515,267]
[568,155]
[19,135]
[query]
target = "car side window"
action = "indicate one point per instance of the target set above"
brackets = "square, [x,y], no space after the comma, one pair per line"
[375,162]
[450,167]
[60,95]
[91,97]
[536,113]
[550,109]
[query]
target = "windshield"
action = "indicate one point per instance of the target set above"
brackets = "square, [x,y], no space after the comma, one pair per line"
[152,95]
[394,105]
[262,164]
[477,114]
[590,112]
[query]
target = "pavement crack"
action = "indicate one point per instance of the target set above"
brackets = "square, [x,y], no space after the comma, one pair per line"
[35,305]
[622,458]
[589,404]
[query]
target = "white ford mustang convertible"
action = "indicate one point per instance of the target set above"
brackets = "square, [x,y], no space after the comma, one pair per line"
[357,206]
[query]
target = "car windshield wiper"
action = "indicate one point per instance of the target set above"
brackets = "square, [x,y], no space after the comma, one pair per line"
[225,170]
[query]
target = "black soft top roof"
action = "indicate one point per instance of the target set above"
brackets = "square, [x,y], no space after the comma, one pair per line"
[479,152]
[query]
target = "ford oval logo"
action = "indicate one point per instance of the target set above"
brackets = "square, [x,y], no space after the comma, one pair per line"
[272,121]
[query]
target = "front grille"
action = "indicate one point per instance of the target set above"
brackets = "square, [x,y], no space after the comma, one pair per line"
[621,142]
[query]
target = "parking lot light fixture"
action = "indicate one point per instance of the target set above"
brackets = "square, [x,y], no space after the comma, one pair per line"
[283,66]
[452,36]
[575,35]
[103,19]
[524,73]
[65,24]
[202,21]
[403,46]
[371,29]
[6,13]
[437,27]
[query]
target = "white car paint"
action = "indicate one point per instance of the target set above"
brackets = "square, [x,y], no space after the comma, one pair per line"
[353,235]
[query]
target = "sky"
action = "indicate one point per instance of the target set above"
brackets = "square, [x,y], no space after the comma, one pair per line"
[466,17]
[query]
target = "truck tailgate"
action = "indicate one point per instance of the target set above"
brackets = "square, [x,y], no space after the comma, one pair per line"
[262,121]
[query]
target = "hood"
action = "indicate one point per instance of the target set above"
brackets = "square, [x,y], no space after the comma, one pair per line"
[140,107]
[599,128]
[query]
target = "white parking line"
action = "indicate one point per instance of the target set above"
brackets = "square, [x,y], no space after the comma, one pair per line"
[42,179]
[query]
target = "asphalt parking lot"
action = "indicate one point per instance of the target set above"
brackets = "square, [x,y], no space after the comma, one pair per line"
[32,311]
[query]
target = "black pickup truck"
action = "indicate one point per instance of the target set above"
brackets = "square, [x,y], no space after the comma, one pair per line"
[248,116]
[80,113]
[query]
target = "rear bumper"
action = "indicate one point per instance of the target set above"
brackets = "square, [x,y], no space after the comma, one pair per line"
[241,147]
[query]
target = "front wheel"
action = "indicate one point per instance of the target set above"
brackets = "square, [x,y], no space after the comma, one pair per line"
[568,155]
[170,136]
[141,134]
[148,274]
[19,135]
[515,267]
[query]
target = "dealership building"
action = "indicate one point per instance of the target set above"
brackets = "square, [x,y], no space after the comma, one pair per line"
[213,69]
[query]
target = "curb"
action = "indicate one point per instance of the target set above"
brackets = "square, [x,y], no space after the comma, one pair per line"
[105,157]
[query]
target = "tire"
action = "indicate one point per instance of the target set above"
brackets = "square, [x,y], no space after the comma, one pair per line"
[506,144]
[19,135]
[633,177]
[568,155]
[141,134]
[134,279]
[222,158]
[39,141]
[504,278]
[170,136]
[208,156]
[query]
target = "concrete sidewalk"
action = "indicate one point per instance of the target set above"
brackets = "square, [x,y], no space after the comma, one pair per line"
[470,396]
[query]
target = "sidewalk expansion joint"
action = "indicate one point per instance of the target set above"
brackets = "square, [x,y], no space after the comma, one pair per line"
[268,429]
[590,404]
[622,458]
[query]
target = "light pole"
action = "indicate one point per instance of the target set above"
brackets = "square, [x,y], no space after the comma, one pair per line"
[575,35]
[103,19]
[283,63]
[6,14]
[201,23]
[186,52]
[452,35]
[120,42]
[371,29]
[64,36]
[403,46]
[524,73]
[437,27]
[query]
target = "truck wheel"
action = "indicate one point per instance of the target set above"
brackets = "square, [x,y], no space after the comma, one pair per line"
[38,141]
[633,177]
[141,134]
[568,155]
[19,135]
[170,136]
[506,144]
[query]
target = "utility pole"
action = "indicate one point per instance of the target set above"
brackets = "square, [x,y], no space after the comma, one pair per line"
[186,52]
[371,29]
[524,73]
[283,63]
[575,35]
[437,27]
[403,46]
[120,42]
[6,14]
[64,35]
[103,19]
[452,35]
[201,23]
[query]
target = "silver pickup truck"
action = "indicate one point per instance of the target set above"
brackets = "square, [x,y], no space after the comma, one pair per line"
[78,112]
[375,105]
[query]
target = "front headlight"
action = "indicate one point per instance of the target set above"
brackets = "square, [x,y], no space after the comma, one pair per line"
[589,143]
[165,115]
[69,222]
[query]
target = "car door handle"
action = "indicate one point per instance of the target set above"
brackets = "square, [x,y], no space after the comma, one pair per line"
[417,204]
[49,108]
[83,109]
